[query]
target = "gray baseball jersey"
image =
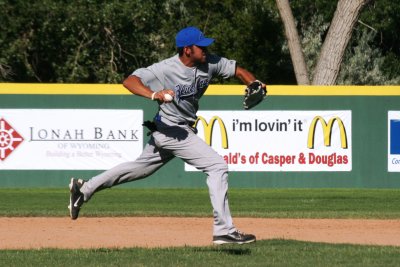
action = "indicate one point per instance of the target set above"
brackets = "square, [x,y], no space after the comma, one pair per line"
[189,83]
[176,139]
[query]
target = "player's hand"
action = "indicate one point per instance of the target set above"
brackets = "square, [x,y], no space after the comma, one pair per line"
[164,96]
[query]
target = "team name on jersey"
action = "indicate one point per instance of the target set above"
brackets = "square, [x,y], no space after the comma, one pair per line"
[183,91]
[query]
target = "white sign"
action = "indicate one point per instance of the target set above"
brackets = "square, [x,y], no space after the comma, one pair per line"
[69,139]
[279,140]
[394,141]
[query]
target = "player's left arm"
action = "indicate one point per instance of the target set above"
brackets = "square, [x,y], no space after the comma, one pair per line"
[245,76]
[255,91]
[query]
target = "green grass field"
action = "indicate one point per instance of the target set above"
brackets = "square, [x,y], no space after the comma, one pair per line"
[272,203]
[264,203]
[262,253]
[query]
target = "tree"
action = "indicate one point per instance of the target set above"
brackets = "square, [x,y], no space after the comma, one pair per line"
[370,57]
[336,41]
[299,64]
[339,34]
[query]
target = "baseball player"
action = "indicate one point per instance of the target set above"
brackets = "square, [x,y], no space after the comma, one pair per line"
[176,83]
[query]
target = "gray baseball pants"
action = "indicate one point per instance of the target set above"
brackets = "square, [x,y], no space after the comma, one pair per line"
[171,141]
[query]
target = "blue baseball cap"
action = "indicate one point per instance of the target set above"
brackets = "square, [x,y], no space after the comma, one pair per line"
[192,36]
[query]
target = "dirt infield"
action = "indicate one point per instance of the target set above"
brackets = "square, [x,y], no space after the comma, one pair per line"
[33,232]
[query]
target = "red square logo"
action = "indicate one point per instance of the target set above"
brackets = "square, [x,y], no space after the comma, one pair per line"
[10,139]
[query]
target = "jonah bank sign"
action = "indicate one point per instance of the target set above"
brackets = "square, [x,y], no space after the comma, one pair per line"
[279,140]
[77,139]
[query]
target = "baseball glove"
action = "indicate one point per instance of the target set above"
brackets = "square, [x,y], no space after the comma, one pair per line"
[254,94]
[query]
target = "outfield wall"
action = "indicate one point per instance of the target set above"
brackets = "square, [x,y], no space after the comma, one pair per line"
[299,137]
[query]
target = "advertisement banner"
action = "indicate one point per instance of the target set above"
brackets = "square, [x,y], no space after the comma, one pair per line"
[266,141]
[394,141]
[69,139]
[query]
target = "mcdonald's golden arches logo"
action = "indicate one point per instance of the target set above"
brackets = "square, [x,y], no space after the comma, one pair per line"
[327,131]
[209,127]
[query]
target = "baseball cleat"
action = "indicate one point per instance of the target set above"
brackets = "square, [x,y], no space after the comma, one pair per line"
[76,198]
[236,237]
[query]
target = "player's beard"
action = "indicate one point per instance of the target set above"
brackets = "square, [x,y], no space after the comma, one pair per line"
[199,59]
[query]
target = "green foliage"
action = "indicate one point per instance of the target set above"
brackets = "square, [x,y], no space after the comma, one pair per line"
[305,11]
[76,41]
[363,63]
[103,41]
[97,41]
[384,17]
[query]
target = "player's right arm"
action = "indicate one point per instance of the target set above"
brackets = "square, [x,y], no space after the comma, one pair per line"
[135,85]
